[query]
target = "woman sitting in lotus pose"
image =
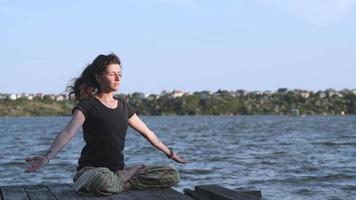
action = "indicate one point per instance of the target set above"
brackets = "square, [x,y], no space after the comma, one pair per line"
[104,119]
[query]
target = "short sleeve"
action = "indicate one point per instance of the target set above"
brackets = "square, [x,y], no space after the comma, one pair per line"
[130,110]
[83,105]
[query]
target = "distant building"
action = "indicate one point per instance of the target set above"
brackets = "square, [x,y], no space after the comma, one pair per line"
[151,97]
[59,98]
[257,92]
[338,94]
[305,94]
[13,97]
[65,96]
[322,94]
[52,97]
[177,93]
[29,97]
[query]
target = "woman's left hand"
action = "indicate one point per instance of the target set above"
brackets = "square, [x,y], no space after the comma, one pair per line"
[178,159]
[37,162]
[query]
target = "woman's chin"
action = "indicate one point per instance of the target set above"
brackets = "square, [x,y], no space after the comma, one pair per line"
[115,89]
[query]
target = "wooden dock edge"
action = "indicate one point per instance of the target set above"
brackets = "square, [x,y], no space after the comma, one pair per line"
[217,192]
[67,192]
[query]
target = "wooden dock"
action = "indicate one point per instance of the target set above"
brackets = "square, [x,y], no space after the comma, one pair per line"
[66,192]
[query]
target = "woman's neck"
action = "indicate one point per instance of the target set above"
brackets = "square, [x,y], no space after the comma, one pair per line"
[107,97]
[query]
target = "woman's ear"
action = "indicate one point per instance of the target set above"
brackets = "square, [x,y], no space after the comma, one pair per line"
[97,77]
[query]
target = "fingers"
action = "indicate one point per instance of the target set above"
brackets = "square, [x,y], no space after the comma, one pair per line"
[36,164]
[30,169]
[179,159]
[183,161]
[34,167]
[30,159]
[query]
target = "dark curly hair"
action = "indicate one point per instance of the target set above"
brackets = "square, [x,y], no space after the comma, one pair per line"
[86,85]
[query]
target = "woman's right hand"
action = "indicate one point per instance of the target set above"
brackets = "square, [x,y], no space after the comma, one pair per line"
[37,162]
[178,158]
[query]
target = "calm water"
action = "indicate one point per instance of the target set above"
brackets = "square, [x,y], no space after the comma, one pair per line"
[311,157]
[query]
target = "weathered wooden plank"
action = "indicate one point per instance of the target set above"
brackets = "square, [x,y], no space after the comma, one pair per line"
[145,194]
[153,191]
[13,193]
[150,197]
[64,191]
[175,195]
[252,193]
[38,192]
[95,197]
[164,193]
[86,197]
[256,194]
[126,195]
[197,196]
[221,193]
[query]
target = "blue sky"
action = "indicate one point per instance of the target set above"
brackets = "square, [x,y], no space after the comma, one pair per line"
[190,45]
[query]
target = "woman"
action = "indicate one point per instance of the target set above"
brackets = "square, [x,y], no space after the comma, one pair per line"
[104,119]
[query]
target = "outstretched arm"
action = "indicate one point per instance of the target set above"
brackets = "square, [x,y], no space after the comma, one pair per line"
[59,142]
[136,123]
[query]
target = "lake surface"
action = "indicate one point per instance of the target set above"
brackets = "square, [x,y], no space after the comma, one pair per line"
[312,157]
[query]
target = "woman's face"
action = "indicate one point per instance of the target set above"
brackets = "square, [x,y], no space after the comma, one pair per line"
[109,80]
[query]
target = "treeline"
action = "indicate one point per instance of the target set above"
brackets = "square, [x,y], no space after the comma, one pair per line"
[227,103]
[204,103]
[37,107]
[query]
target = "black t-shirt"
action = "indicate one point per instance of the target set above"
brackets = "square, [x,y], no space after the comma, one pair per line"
[104,132]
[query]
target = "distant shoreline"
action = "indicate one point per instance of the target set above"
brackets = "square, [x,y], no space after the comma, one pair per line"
[222,102]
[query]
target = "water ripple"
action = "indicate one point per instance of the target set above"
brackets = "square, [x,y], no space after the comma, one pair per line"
[310,157]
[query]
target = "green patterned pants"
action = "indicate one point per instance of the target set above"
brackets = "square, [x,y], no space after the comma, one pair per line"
[102,181]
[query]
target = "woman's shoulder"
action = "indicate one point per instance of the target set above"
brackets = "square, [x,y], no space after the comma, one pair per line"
[84,105]
[124,103]
[121,100]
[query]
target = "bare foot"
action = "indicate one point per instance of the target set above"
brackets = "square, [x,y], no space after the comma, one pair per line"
[126,186]
[126,174]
